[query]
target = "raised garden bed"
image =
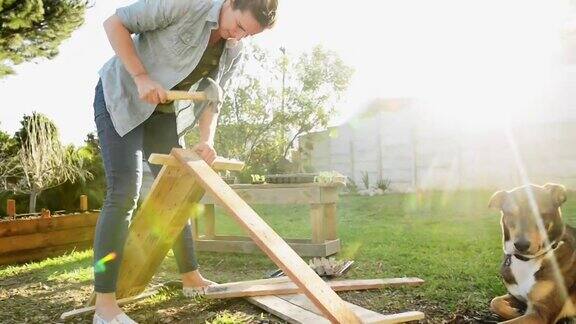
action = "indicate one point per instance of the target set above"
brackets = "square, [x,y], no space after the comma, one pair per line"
[35,238]
[291,178]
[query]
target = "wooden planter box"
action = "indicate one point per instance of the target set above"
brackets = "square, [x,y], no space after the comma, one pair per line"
[322,199]
[24,240]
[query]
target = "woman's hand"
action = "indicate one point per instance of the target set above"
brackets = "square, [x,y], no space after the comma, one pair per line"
[206,152]
[149,90]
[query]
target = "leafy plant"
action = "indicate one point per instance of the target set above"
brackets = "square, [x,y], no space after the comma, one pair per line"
[383,184]
[330,177]
[258,179]
[366,179]
[352,186]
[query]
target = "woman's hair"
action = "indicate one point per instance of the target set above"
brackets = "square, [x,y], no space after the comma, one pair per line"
[263,10]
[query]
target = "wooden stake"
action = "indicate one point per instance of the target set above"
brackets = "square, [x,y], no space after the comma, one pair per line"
[331,221]
[11,208]
[45,213]
[317,221]
[265,288]
[83,203]
[209,222]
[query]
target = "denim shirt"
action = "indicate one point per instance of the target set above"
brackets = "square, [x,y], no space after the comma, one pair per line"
[171,37]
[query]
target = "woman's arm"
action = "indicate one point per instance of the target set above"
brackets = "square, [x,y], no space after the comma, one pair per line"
[207,128]
[207,125]
[123,45]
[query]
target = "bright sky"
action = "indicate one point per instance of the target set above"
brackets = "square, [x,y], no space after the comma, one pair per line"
[446,51]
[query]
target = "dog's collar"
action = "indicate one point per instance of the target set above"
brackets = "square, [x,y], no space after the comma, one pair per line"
[553,247]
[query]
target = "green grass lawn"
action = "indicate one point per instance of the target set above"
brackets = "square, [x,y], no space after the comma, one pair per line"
[451,240]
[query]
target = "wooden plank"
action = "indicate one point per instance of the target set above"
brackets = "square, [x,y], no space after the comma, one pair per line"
[248,239]
[286,310]
[271,243]
[219,164]
[209,222]
[317,223]
[366,315]
[39,225]
[329,194]
[292,311]
[234,290]
[47,239]
[11,208]
[239,244]
[330,221]
[304,195]
[21,256]
[83,203]
[171,202]
[248,283]
[282,185]
[371,317]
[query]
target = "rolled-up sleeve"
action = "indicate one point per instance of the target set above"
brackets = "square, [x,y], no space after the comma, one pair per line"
[147,15]
[225,80]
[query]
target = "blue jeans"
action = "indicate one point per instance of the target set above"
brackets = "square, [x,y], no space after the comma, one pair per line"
[122,158]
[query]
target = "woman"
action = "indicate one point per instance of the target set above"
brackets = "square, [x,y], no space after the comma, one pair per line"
[177,44]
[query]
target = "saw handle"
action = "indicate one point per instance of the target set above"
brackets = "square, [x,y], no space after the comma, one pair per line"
[185,95]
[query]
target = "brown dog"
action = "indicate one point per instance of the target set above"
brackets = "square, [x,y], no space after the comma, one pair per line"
[539,268]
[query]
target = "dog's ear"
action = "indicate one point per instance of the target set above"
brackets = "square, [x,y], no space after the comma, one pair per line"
[497,199]
[558,193]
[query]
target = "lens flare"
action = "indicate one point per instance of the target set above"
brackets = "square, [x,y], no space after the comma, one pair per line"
[197,210]
[100,265]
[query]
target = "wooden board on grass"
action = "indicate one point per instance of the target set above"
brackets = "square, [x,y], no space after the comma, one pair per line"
[366,315]
[331,305]
[298,309]
[287,311]
[263,288]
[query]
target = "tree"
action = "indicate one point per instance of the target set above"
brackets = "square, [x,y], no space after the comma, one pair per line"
[35,28]
[41,161]
[8,149]
[319,80]
[65,196]
[276,99]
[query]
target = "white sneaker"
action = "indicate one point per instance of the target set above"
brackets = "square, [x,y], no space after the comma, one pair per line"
[119,319]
